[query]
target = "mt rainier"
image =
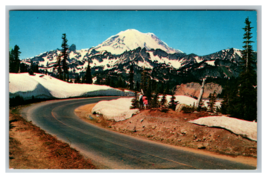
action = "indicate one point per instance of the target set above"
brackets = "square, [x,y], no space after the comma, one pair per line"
[113,58]
[131,39]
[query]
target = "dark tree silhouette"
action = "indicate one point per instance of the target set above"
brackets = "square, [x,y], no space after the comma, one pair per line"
[248,78]
[65,56]
[240,98]
[131,76]
[88,75]
[14,62]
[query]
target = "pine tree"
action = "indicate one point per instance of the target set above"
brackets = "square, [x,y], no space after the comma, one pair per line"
[225,102]
[11,60]
[155,100]
[31,68]
[36,67]
[163,100]
[88,75]
[77,79]
[240,97]
[58,66]
[173,105]
[23,67]
[135,102]
[143,84]
[248,78]
[212,101]
[14,62]
[137,86]
[148,92]
[131,77]
[65,55]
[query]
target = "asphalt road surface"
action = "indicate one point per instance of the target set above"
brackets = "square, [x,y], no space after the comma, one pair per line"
[110,150]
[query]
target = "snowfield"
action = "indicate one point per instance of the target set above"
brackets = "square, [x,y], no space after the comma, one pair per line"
[117,110]
[46,87]
[240,127]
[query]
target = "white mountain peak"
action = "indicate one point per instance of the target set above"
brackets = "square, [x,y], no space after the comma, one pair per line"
[131,39]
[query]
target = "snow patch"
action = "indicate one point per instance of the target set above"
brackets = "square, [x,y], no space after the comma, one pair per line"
[117,110]
[240,127]
[212,63]
[45,86]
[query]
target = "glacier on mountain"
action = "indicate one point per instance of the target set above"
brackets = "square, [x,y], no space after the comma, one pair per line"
[131,39]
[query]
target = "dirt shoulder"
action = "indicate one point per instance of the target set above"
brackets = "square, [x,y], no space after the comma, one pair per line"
[173,128]
[32,148]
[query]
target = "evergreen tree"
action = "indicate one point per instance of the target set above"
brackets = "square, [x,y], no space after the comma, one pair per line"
[120,82]
[23,67]
[148,92]
[65,55]
[36,67]
[240,97]
[88,75]
[135,102]
[212,101]
[131,77]
[58,66]
[143,84]
[172,104]
[11,60]
[14,62]
[163,100]
[31,68]
[161,87]
[248,78]
[225,102]
[155,101]
[137,87]
[77,79]
[167,89]
[108,81]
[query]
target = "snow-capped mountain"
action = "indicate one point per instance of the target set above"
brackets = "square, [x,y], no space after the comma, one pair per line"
[132,39]
[114,56]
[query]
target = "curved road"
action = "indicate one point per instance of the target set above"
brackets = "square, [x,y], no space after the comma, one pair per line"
[110,150]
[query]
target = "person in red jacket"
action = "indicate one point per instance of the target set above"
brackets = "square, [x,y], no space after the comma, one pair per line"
[145,102]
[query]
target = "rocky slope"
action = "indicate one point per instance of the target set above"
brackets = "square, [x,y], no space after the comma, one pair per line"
[193,89]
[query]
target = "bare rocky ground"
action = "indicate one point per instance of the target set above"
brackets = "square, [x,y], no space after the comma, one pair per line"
[173,128]
[193,89]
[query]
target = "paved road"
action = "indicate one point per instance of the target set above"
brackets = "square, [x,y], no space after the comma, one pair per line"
[110,150]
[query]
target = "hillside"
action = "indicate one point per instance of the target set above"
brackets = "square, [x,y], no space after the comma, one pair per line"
[193,89]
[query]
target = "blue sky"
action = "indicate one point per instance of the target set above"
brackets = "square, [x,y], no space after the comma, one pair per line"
[199,32]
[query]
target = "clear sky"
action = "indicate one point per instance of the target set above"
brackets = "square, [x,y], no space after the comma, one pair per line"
[199,32]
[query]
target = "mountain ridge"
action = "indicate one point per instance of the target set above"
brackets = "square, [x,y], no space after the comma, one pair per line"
[103,63]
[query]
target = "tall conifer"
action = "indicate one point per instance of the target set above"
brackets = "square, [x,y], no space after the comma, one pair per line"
[88,75]
[248,78]
[65,48]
